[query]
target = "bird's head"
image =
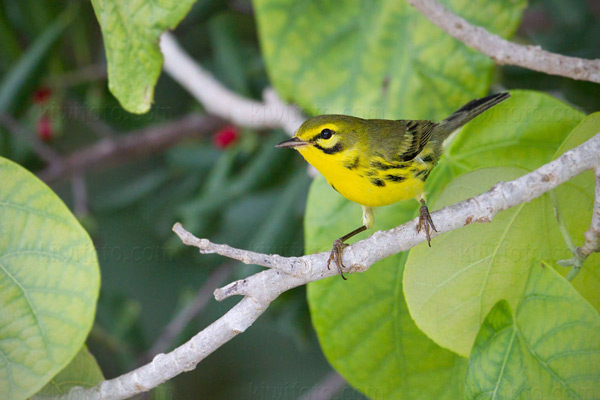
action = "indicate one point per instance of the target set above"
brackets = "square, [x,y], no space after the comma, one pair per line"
[323,138]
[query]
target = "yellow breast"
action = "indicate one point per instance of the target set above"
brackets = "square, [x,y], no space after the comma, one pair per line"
[371,181]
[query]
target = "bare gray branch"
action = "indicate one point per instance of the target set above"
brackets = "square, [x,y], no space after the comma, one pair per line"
[504,52]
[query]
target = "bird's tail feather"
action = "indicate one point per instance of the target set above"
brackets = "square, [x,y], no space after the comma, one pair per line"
[469,111]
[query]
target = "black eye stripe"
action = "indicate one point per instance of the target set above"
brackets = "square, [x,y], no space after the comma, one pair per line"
[332,150]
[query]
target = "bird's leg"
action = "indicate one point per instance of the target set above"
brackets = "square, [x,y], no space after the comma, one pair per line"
[425,221]
[339,245]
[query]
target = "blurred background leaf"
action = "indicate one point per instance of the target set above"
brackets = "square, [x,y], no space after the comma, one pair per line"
[377,59]
[64,103]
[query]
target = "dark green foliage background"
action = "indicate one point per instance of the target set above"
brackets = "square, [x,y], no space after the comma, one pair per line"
[146,274]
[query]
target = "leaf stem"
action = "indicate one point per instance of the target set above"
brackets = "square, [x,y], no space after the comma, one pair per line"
[561,223]
[592,237]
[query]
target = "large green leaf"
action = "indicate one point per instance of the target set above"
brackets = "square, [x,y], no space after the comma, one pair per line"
[496,364]
[376,59]
[549,348]
[363,324]
[131,31]
[49,283]
[82,371]
[451,287]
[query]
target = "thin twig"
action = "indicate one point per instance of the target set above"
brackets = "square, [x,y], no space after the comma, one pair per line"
[288,265]
[80,203]
[592,237]
[131,145]
[504,52]
[592,243]
[261,289]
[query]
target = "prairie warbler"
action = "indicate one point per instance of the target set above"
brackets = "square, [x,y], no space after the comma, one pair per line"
[376,162]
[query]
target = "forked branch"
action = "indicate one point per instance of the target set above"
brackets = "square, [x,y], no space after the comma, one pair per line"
[261,289]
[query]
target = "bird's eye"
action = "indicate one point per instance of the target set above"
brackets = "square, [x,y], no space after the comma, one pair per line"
[326,133]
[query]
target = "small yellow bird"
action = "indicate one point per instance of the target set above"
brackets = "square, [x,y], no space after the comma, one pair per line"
[376,162]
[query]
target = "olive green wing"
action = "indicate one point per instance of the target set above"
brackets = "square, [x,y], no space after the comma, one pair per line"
[402,140]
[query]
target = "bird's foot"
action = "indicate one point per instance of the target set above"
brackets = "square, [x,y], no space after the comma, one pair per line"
[425,223]
[336,256]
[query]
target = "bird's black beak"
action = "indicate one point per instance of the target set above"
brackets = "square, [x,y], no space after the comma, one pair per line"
[293,143]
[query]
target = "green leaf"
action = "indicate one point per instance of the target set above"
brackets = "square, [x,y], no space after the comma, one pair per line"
[49,283]
[82,371]
[451,286]
[574,200]
[131,31]
[549,348]
[21,78]
[496,364]
[377,59]
[363,324]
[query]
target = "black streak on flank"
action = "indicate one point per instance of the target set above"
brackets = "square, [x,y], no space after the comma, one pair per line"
[331,150]
[378,182]
[394,178]
[422,175]
[428,158]
[352,165]
[334,188]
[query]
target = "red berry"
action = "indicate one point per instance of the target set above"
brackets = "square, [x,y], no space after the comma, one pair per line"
[44,128]
[225,136]
[41,95]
